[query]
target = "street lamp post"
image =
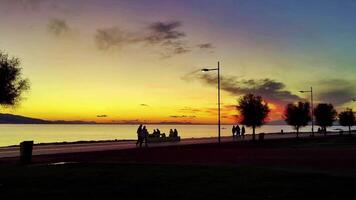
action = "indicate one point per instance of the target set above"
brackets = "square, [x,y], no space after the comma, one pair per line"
[219,124]
[312,106]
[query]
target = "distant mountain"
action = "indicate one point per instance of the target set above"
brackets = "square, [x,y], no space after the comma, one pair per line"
[18,119]
[72,122]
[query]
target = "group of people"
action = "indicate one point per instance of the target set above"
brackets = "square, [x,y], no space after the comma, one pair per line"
[157,133]
[143,134]
[238,132]
[173,133]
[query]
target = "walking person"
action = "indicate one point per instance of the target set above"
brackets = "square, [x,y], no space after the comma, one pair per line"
[139,135]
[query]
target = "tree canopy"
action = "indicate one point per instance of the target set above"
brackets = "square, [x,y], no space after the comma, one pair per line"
[325,115]
[347,118]
[253,111]
[12,85]
[297,115]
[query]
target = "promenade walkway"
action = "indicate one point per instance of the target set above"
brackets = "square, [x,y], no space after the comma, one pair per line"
[46,149]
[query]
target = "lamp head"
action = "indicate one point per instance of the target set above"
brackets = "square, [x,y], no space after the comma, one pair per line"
[301,91]
[205,70]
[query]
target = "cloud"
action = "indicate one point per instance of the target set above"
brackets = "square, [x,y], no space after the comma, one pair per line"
[174,122]
[165,36]
[269,89]
[113,37]
[182,116]
[101,116]
[23,4]
[35,5]
[205,46]
[336,91]
[58,27]
[129,121]
[161,32]
[190,109]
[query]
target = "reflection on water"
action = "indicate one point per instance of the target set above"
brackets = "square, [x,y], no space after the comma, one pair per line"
[11,134]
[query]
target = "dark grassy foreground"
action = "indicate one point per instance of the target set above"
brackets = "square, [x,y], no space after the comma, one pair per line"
[127,181]
[309,168]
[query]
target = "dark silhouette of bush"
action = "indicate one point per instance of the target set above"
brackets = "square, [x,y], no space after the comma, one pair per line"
[347,118]
[12,84]
[325,115]
[253,111]
[297,115]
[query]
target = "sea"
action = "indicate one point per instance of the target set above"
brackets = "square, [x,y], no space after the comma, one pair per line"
[13,134]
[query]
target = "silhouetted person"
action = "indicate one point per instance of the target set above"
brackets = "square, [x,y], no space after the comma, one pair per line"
[238,130]
[144,135]
[243,131]
[155,133]
[282,131]
[233,130]
[175,133]
[139,135]
[171,133]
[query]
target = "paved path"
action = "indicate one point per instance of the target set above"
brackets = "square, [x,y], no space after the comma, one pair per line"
[104,146]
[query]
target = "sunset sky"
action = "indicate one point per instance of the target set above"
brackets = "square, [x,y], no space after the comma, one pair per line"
[139,60]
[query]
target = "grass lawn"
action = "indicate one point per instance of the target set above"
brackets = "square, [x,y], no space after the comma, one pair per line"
[144,181]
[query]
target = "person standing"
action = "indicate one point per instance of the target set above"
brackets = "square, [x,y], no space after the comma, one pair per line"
[238,130]
[175,133]
[243,132]
[139,135]
[171,133]
[233,130]
[144,135]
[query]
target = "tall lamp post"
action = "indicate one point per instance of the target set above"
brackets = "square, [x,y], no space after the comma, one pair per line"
[217,69]
[312,106]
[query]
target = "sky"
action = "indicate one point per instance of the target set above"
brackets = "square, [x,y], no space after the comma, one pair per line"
[127,61]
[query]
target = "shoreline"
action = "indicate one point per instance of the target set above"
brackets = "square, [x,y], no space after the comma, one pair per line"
[322,153]
[119,145]
[183,139]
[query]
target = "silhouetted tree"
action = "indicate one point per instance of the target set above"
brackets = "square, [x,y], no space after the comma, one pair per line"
[325,115]
[347,118]
[253,111]
[297,115]
[11,83]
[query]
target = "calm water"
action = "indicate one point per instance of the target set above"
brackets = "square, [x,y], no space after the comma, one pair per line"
[11,134]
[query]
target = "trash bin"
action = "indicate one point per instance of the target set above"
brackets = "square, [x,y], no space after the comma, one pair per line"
[261,136]
[26,152]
